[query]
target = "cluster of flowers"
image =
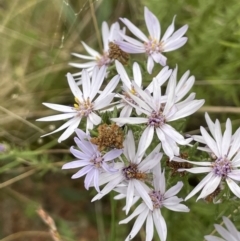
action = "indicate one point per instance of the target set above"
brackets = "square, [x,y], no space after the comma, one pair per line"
[112,159]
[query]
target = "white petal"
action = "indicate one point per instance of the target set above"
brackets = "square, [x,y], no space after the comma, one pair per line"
[192,107]
[226,141]
[149,227]
[90,50]
[105,35]
[123,74]
[145,140]
[101,103]
[129,197]
[175,45]
[138,224]
[94,118]
[81,56]
[173,190]
[135,31]
[160,224]
[169,31]
[68,132]
[130,120]
[224,233]
[200,185]
[235,146]
[74,88]
[210,187]
[143,193]
[210,142]
[57,117]
[137,75]
[62,108]
[233,187]
[150,64]
[141,208]
[213,238]
[152,24]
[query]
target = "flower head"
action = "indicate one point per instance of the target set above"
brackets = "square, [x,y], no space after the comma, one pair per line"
[133,173]
[110,52]
[92,160]
[226,159]
[160,110]
[160,199]
[137,79]
[229,234]
[88,102]
[153,45]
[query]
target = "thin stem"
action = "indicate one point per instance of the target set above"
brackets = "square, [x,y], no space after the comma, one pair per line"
[100,222]
[18,178]
[95,24]
[26,234]
[113,209]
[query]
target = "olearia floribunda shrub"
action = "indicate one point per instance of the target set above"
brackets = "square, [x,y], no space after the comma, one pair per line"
[127,136]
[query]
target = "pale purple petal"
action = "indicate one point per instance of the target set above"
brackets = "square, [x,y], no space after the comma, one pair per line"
[204,181]
[74,88]
[75,164]
[160,224]
[233,187]
[145,140]
[210,187]
[90,50]
[169,31]
[62,108]
[143,193]
[136,31]
[150,64]
[141,208]
[111,155]
[152,23]
[82,172]
[173,190]
[170,46]
[81,56]
[130,48]
[58,117]
[226,140]
[138,224]
[137,75]
[149,227]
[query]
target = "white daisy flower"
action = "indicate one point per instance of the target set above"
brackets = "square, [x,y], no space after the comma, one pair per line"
[88,102]
[133,174]
[226,163]
[92,161]
[160,198]
[137,79]
[159,111]
[109,37]
[153,45]
[230,233]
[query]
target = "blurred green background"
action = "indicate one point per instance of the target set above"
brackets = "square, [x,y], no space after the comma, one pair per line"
[37,39]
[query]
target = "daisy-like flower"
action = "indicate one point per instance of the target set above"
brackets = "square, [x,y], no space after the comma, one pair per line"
[159,111]
[87,102]
[133,174]
[160,199]
[137,79]
[229,234]
[153,45]
[92,161]
[110,50]
[226,162]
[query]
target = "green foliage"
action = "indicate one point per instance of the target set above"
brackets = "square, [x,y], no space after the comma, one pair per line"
[37,39]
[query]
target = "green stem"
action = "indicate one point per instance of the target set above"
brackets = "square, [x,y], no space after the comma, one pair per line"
[113,225]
